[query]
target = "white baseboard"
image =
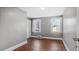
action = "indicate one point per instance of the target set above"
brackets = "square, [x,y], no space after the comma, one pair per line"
[59,39]
[16,46]
[24,42]
[49,37]
[66,46]
[53,38]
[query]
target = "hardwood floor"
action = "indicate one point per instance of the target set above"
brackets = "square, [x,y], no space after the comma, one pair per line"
[35,44]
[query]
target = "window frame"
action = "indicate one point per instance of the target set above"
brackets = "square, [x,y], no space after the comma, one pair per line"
[61,25]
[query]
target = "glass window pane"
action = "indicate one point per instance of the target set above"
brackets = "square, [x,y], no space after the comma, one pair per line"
[56,24]
[36,25]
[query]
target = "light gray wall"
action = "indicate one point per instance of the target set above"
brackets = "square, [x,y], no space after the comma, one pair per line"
[77,22]
[13,29]
[46,28]
[28,28]
[69,27]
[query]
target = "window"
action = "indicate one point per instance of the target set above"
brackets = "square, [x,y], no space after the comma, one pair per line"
[36,25]
[56,24]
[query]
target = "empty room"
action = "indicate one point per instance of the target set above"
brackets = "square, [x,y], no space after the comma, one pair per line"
[39,29]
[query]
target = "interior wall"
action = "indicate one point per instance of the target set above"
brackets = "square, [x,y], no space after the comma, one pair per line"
[77,22]
[69,27]
[28,28]
[13,27]
[46,28]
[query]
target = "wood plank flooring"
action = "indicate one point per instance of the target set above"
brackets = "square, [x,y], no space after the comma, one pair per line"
[44,44]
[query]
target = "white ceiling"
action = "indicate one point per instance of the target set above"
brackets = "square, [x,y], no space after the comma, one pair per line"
[35,12]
